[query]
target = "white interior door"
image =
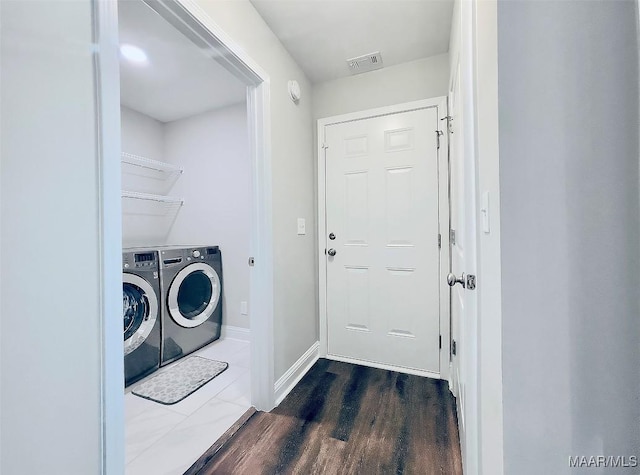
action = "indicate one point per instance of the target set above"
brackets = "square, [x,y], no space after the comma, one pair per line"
[456,147]
[464,328]
[382,240]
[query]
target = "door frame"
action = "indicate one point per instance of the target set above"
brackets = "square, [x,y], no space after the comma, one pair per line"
[440,103]
[189,18]
[484,18]
[474,43]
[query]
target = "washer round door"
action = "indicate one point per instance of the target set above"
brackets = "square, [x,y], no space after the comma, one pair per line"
[194,295]
[139,310]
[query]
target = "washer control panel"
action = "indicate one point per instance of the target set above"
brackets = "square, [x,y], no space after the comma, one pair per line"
[145,259]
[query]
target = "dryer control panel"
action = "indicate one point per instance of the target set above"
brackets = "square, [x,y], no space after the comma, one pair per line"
[179,257]
[139,260]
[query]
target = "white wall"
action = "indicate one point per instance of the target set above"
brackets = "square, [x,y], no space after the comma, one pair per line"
[145,223]
[412,81]
[295,279]
[213,149]
[568,106]
[50,276]
[142,135]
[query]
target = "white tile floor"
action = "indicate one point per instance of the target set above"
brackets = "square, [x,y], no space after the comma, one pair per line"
[166,440]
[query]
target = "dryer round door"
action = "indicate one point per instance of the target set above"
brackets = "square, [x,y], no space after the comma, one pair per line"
[194,295]
[139,310]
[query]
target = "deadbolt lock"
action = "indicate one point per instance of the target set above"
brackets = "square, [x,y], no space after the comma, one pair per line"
[471,282]
[468,281]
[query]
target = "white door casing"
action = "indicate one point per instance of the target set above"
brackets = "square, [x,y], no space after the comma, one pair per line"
[381,302]
[489,384]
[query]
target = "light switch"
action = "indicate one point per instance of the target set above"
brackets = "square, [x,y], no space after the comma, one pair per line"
[302,227]
[243,308]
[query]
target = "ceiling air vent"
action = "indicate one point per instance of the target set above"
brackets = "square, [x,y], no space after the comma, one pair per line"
[365,63]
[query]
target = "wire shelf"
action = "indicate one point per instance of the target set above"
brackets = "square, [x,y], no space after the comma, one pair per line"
[136,195]
[144,162]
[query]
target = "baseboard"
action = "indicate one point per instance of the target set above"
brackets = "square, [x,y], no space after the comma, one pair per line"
[288,380]
[399,369]
[452,390]
[235,333]
[461,435]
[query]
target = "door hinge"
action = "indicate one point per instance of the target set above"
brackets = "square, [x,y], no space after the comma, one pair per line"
[438,134]
[439,241]
[453,347]
[325,146]
[449,119]
[452,237]
[440,341]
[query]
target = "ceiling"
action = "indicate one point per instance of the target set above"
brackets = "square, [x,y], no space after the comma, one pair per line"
[179,80]
[322,34]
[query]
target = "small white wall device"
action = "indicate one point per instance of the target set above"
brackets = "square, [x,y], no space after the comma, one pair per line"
[294,90]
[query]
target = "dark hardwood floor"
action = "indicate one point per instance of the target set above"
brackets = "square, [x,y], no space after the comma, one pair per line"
[347,419]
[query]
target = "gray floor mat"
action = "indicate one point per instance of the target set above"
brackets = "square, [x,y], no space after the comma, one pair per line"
[180,380]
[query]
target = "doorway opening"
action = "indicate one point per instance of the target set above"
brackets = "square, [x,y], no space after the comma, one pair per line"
[165,181]
[383,246]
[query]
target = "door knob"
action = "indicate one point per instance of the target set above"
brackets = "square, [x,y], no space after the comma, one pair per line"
[453,280]
[331,252]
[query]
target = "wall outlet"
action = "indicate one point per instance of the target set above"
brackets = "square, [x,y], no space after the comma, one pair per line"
[244,308]
[302,227]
